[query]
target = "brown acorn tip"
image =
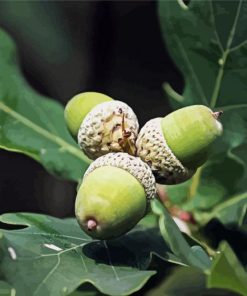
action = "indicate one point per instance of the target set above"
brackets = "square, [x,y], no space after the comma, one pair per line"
[217,114]
[91,225]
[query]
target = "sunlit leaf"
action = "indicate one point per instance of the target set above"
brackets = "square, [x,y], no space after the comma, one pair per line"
[191,255]
[227,272]
[50,256]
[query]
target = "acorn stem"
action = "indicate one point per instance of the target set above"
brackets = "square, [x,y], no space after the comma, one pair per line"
[217,114]
[91,225]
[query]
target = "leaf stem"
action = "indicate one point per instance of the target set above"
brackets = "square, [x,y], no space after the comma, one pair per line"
[53,138]
[172,93]
[219,78]
[222,61]
[195,183]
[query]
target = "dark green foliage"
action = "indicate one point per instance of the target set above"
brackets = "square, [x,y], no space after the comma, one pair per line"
[42,255]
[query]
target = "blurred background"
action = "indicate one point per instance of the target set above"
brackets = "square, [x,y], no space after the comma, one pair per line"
[70,47]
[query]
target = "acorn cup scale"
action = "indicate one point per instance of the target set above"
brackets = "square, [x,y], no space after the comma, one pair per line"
[176,145]
[108,127]
[114,195]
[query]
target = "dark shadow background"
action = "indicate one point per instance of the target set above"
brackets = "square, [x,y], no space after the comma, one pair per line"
[69,47]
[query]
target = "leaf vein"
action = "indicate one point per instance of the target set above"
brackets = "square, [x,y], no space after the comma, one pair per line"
[110,262]
[47,234]
[219,78]
[47,276]
[53,138]
[236,47]
[215,29]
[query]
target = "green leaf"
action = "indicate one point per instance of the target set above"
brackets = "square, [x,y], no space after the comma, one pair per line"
[32,124]
[86,293]
[36,35]
[191,255]
[230,212]
[227,272]
[181,279]
[149,221]
[208,42]
[5,289]
[51,256]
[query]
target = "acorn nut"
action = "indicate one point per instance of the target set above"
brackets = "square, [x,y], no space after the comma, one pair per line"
[176,145]
[102,125]
[114,195]
[79,106]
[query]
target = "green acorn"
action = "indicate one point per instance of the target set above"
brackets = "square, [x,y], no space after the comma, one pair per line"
[114,195]
[176,145]
[79,106]
[101,124]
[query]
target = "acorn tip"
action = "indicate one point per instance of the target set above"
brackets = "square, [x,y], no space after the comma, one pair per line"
[217,114]
[91,225]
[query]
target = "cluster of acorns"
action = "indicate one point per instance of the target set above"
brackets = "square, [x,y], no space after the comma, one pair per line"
[117,187]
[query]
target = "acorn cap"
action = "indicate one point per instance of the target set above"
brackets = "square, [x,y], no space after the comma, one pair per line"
[108,127]
[153,149]
[79,106]
[134,165]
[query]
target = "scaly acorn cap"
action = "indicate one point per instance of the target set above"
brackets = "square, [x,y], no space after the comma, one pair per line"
[153,149]
[78,107]
[134,165]
[114,195]
[176,145]
[108,127]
